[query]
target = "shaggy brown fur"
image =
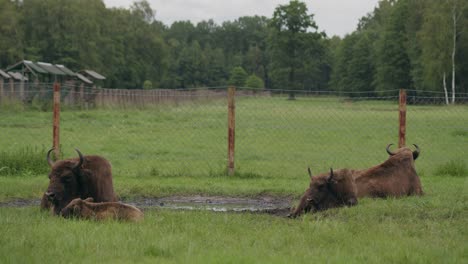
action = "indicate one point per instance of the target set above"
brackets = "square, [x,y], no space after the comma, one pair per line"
[83,177]
[394,177]
[87,209]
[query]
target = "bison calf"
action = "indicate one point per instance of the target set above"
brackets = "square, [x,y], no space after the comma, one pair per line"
[87,209]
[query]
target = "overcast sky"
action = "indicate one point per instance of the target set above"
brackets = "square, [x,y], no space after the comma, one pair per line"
[335,17]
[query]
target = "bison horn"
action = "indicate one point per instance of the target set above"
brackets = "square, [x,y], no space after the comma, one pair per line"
[388,150]
[331,175]
[49,160]
[310,173]
[81,160]
[416,152]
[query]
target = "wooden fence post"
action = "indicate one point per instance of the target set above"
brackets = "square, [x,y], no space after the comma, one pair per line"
[402,118]
[56,122]
[231,128]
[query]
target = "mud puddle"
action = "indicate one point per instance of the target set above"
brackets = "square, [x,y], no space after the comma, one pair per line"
[265,204]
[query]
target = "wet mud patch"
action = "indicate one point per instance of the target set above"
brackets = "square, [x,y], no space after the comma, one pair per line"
[262,204]
[21,203]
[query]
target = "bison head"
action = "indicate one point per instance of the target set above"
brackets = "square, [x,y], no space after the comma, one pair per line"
[64,181]
[341,184]
[327,191]
[416,152]
[74,208]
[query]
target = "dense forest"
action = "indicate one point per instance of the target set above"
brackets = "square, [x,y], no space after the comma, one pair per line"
[414,44]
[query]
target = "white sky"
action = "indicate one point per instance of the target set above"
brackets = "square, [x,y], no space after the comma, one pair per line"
[335,17]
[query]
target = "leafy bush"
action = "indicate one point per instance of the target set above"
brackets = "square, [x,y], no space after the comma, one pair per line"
[147,85]
[237,76]
[254,82]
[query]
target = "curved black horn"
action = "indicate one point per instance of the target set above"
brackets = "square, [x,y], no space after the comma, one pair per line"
[80,162]
[49,160]
[416,152]
[310,173]
[388,150]
[331,175]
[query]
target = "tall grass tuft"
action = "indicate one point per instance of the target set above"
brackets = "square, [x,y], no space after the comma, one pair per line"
[455,168]
[11,105]
[24,161]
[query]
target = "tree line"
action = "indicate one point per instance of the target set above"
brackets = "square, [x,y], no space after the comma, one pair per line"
[415,44]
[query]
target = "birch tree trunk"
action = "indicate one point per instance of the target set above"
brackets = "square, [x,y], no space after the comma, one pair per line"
[454,47]
[445,89]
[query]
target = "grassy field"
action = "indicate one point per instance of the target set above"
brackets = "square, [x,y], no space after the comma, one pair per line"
[181,149]
[428,229]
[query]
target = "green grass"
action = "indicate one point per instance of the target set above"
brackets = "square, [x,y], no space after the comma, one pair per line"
[453,168]
[427,229]
[181,150]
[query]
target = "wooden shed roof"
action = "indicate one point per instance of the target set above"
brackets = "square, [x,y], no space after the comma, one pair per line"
[4,75]
[50,68]
[84,79]
[17,76]
[40,68]
[65,69]
[94,75]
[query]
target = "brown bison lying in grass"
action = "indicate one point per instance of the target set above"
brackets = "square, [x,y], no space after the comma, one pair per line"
[87,209]
[82,177]
[395,177]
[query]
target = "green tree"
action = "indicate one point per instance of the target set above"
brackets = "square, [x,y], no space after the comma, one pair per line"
[11,38]
[291,39]
[253,81]
[147,85]
[360,69]
[393,70]
[215,69]
[191,66]
[435,40]
[238,76]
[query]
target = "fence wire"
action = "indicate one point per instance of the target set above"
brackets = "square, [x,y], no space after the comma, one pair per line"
[279,133]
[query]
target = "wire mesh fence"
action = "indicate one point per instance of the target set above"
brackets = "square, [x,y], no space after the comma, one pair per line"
[185,132]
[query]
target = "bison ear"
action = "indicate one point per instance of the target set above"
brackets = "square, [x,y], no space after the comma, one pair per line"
[89,200]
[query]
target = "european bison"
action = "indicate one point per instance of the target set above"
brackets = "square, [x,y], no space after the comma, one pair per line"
[327,190]
[82,177]
[87,209]
[394,177]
